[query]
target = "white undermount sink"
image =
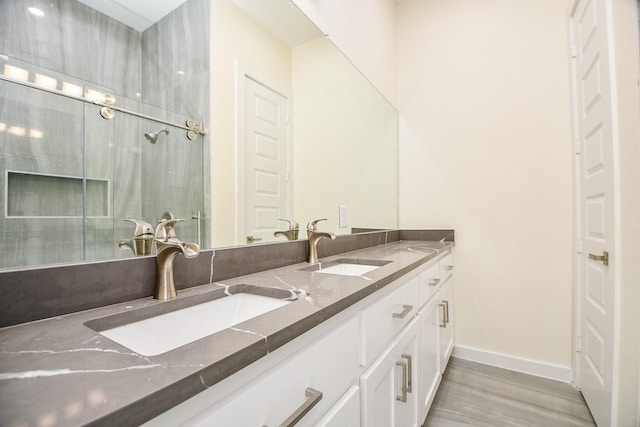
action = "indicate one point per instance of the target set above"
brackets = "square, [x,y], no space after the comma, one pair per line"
[167,331]
[347,266]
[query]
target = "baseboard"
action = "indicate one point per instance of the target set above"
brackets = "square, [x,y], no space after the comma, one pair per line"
[527,366]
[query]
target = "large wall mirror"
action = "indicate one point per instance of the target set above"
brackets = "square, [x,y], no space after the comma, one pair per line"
[290,129]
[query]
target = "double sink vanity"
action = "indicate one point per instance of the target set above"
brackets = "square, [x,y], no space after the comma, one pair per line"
[359,339]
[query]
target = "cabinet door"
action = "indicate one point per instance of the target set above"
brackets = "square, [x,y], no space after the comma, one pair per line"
[429,355]
[345,413]
[447,340]
[388,387]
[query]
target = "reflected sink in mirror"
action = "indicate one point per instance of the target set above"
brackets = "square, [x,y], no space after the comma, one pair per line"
[163,327]
[347,266]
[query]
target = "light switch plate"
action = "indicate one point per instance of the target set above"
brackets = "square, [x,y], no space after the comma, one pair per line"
[342,216]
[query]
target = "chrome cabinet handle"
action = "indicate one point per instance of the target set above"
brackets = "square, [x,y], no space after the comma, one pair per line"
[434,282]
[604,257]
[403,397]
[313,397]
[443,322]
[405,310]
[409,373]
[446,312]
[449,267]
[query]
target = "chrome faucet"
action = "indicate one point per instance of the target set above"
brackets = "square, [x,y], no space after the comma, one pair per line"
[314,237]
[142,240]
[167,248]
[291,233]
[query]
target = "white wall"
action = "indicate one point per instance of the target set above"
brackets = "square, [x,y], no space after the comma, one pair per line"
[364,32]
[627,103]
[345,150]
[254,47]
[485,148]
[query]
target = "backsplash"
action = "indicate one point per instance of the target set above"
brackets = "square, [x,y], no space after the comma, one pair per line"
[39,293]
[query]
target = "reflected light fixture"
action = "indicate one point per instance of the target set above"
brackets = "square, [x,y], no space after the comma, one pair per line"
[3,127]
[35,133]
[16,73]
[46,81]
[94,95]
[17,131]
[71,89]
[35,11]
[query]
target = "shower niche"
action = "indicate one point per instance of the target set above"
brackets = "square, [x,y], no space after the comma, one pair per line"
[42,196]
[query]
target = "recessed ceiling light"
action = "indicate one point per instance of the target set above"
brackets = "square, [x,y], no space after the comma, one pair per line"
[35,11]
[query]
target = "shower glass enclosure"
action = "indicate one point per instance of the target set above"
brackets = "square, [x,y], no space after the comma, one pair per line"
[70,178]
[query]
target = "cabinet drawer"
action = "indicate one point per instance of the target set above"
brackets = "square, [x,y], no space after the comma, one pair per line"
[329,366]
[345,413]
[446,267]
[429,282]
[384,319]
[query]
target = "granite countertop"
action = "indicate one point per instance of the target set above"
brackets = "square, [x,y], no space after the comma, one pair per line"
[59,372]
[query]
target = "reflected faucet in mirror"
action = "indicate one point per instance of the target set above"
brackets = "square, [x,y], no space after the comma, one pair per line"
[140,244]
[291,233]
[315,236]
[167,248]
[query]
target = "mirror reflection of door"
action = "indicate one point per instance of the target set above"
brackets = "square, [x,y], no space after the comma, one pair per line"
[267,154]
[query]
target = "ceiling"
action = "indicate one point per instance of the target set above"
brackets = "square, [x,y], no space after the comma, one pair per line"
[138,14]
[282,18]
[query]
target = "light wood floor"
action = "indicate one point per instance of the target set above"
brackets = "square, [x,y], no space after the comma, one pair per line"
[473,394]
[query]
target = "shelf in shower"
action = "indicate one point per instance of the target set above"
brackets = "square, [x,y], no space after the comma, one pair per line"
[41,195]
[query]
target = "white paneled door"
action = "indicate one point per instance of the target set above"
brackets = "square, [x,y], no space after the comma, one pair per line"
[595,205]
[266,160]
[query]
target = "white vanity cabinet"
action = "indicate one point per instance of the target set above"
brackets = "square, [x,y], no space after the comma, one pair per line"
[429,356]
[328,365]
[389,386]
[382,320]
[345,413]
[377,364]
[447,336]
[436,328]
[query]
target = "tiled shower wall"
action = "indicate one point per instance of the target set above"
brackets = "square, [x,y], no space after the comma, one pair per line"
[43,137]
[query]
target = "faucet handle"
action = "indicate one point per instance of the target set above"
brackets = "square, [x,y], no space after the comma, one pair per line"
[142,228]
[312,226]
[292,224]
[166,230]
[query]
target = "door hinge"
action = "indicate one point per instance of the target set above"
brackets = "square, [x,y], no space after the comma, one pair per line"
[578,344]
[579,245]
[573,50]
[577,146]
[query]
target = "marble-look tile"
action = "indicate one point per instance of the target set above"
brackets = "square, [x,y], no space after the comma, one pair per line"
[57,290]
[176,65]
[482,395]
[429,235]
[73,39]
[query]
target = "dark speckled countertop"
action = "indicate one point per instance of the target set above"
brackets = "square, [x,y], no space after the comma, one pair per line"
[59,372]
